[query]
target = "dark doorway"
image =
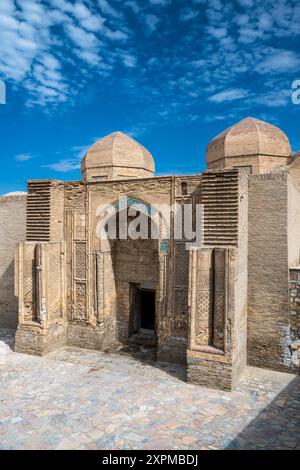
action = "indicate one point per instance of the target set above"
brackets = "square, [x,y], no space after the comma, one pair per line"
[142,308]
[147,310]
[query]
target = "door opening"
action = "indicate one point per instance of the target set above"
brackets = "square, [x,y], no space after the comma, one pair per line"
[142,310]
[148,310]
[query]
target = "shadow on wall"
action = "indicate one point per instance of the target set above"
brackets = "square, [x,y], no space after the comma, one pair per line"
[277,426]
[8,301]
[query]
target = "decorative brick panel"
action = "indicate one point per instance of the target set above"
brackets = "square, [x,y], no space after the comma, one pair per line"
[38,211]
[219,196]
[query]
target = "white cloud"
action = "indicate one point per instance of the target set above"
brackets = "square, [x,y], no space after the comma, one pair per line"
[80,11]
[87,19]
[33,12]
[151,22]
[250,35]
[115,35]
[265,21]
[74,162]
[228,95]
[23,157]
[133,5]
[129,60]
[93,23]
[198,63]
[279,62]
[87,44]
[107,9]
[64,166]
[7,7]
[241,20]
[187,14]
[217,33]
[216,117]
[81,38]
[91,57]
[275,99]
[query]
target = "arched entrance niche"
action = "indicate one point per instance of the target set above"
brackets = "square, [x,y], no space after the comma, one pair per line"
[131,275]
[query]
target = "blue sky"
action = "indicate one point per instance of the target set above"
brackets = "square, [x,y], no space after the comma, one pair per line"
[170,73]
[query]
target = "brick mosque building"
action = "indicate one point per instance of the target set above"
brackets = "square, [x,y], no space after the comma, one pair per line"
[233,301]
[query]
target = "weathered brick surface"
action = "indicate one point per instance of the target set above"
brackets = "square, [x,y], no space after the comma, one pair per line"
[34,340]
[210,371]
[89,337]
[268,300]
[12,231]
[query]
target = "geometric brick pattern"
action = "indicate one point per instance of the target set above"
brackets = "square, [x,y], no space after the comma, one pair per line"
[219,196]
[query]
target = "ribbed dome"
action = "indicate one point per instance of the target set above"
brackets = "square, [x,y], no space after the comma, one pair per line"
[249,137]
[117,156]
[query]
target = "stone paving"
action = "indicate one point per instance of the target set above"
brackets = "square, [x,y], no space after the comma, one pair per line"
[79,399]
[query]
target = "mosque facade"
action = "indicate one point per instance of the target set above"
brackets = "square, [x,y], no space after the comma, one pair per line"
[214,306]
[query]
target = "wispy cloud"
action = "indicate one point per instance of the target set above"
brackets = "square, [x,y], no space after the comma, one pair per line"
[228,95]
[107,9]
[151,22]
[187,14]
[274,99]
[72,163]
[279,62]
[23,157]
[64,166]
[133,5]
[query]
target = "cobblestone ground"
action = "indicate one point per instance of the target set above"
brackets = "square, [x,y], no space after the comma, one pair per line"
[78,399]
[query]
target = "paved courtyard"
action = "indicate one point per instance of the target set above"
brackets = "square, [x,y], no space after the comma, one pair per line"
[79,399]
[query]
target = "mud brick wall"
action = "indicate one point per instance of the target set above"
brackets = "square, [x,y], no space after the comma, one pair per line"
[12,231]
[268,300]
